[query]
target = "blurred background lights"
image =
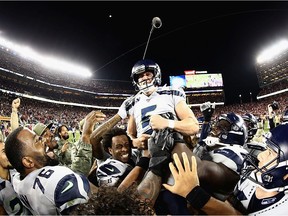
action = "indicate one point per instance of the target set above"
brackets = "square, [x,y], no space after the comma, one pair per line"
[56,64]
[273,51]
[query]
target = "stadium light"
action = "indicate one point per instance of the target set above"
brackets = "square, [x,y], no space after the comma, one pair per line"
[49,62]
[273,51]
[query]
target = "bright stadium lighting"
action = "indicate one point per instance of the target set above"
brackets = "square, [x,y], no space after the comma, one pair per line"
[65,66]
[48,62]
[273,51]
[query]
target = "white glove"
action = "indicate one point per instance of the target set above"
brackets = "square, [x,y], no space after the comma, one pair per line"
[207,105]
[211,141]
[122,112]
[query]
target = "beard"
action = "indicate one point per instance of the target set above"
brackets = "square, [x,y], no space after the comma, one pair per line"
[45,160]
[9,166]
[65,137]
[52,161]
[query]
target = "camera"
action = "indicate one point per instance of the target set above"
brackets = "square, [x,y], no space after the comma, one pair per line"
[275,105]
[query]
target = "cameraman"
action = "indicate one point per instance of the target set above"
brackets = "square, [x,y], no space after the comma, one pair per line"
[271,114]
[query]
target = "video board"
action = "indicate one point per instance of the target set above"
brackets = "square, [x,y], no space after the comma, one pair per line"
[196,81]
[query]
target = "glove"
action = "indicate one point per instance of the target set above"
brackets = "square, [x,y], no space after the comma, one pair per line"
[160,145]
[207,110]
[211,141]
[125,106]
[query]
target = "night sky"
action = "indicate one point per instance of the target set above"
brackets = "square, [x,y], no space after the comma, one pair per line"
[220,37]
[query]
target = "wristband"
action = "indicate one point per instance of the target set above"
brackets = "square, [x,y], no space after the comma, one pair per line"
[143,163]
[171,124]
[198,197]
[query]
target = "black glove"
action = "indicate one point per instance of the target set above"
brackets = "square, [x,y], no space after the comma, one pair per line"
[160,145]
[207,110]
[200,150]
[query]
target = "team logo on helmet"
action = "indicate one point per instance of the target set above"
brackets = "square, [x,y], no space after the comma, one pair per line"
[142,66]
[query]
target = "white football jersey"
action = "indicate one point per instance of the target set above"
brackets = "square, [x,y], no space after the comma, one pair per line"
[111,171]
[231,156]
[51,189]
[9,199]
[163,100]
[275,205]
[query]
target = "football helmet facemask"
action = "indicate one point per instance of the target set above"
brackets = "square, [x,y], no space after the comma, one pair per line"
[271,175]
[230,129]
[251,124]
[142,66]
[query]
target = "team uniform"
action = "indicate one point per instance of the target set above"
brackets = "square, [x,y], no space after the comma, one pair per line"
[226,148]
[51,190]
[275,205]
[162,101]
[9,199]
[232,157]
[270,174]
[111,172]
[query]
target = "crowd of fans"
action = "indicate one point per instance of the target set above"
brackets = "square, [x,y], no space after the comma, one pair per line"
[33,111]
[277,86]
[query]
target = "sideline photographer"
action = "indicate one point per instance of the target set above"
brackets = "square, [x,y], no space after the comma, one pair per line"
[271,114]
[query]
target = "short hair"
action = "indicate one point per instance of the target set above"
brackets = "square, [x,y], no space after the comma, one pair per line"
[14,150]
[108,201]
[107,138]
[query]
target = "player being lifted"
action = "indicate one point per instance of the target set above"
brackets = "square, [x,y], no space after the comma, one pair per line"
[155,107]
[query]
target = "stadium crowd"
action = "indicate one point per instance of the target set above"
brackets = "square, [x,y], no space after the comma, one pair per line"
[33,111]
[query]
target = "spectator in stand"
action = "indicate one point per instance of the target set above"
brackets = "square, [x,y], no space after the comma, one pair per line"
[271,114]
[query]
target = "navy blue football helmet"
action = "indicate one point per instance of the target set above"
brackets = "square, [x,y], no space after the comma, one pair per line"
[271,177]
[146,65]
[251,124]
[231,129]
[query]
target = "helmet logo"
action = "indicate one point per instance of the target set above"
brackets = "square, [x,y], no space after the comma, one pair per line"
[235,127]
[267,178]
